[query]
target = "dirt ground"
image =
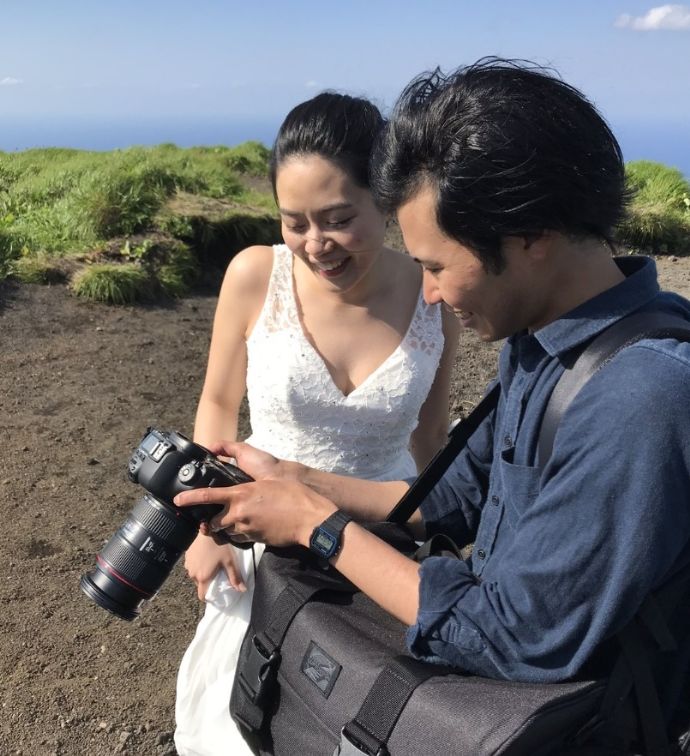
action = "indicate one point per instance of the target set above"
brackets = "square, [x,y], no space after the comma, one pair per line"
[79,384]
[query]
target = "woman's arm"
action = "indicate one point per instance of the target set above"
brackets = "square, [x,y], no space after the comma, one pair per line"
[364,500]
[239,304]
[431,432]
[282,513]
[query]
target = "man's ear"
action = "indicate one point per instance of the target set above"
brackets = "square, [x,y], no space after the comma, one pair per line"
[537,245]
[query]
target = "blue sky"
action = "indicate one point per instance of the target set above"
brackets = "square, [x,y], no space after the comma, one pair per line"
[252,61]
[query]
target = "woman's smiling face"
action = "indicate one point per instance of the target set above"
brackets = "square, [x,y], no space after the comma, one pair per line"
[328,221]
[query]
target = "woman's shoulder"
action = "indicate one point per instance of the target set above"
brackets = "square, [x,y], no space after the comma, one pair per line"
[251,266]
[402,259]
[401,269]
[246,280]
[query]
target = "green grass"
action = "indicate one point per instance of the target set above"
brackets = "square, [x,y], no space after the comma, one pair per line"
[37,269]
[8,250]
[76,204]
[113,284]
[170,214]
[659,217]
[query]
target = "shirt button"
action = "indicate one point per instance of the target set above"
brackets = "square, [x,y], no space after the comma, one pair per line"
[481,554]
[495,500]
[507,441]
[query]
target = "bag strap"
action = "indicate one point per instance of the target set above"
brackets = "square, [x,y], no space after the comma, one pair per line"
[260,653]
[368,732]
[583,363]
[433,472]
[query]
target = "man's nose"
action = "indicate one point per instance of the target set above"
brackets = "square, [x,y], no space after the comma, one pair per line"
[430,289]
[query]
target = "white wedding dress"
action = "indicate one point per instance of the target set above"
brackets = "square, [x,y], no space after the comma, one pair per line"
[298,413]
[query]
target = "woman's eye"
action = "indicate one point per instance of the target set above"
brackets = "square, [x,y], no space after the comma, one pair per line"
[339,223]
[296,229]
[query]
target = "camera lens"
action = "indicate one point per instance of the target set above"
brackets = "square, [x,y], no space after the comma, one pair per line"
[137,560]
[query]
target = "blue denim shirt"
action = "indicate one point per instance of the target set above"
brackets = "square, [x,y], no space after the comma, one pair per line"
[563,555]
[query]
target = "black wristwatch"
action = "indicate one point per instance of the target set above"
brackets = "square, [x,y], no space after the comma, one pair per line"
[326,538]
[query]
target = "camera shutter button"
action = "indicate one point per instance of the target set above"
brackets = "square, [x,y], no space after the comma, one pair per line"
[187,473]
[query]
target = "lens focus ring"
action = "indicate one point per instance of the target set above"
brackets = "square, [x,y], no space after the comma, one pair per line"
[164,523]
[132,569]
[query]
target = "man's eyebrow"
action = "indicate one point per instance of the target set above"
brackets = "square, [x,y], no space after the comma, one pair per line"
[326,209]
[426,263]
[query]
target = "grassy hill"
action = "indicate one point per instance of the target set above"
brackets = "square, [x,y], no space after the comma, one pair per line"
[145,223]
[131,224]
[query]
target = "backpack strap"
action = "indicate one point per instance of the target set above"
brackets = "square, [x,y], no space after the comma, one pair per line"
[641,640]
[583,362]
[633,670]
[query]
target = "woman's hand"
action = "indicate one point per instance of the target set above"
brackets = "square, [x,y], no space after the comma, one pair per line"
[204,558]
[277,512]
[259,464]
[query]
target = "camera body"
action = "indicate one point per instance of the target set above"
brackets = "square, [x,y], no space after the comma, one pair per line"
[137,560]
[166,463]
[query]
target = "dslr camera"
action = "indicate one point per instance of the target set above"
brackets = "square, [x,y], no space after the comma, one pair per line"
[135,562]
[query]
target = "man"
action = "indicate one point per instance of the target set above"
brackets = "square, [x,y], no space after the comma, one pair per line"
[507,185]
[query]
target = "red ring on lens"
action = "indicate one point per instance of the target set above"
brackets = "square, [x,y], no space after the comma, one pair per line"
[105,566]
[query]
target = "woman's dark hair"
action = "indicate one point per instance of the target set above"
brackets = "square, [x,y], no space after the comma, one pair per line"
[510,149]
[335,126]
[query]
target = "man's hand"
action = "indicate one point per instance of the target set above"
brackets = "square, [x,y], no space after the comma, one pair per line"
[204,558]
[364,500]
[282,513]
[277,512]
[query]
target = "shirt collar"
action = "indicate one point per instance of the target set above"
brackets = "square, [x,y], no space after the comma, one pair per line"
[593,316]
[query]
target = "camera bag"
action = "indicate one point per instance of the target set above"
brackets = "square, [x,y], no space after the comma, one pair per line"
[324,670]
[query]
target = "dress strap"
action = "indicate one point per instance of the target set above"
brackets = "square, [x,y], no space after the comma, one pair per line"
[279,311]
[425,332]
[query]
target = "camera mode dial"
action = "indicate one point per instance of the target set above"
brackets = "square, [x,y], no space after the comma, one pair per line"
[188,473]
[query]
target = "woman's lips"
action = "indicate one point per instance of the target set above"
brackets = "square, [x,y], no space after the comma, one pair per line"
[331,269]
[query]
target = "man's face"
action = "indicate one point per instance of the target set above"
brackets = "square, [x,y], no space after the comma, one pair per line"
[493,305]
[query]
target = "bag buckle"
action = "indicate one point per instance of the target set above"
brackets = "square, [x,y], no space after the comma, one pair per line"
[259,670]
[349,746]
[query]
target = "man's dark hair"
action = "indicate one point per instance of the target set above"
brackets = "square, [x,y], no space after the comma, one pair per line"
[510,149]
[335,126]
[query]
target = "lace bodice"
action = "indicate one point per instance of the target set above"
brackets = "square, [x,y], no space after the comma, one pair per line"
[298,413]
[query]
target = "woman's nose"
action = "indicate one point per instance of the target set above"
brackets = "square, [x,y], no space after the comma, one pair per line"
[315,245]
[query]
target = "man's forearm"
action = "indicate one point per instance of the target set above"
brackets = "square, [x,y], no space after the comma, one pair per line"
[365,500]
[384,574]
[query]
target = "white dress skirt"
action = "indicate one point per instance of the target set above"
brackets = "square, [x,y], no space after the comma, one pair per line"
[298,413]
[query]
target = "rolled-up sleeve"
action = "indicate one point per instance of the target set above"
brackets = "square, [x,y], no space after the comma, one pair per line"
[569,566]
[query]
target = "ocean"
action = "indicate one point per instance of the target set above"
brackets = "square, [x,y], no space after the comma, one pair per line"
[108,134]
[668,143]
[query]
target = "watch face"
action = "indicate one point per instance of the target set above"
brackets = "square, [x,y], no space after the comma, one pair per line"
[323,541]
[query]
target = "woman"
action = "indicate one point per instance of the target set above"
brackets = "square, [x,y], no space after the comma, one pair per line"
[345,368]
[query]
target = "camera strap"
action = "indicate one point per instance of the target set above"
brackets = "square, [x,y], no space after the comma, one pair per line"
[433,472]
[580,363]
